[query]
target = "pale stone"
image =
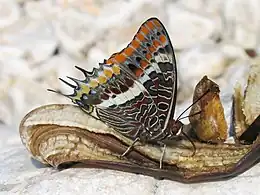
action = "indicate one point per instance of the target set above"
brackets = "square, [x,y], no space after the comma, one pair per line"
[194,63]
[186,29]
[33,37]
[47,9]
[241,21]
[9,13]
[77,32]
[83,33]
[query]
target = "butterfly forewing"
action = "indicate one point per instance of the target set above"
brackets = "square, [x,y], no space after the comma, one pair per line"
[134,91]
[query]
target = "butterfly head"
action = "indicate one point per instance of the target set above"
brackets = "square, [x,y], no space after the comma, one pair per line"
[174,126]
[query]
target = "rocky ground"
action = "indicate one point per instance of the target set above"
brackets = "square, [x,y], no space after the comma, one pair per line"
[43,40]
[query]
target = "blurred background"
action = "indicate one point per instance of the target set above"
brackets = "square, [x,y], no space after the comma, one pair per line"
[43,40]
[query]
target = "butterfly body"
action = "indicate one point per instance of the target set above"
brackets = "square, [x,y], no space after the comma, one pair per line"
[134,91]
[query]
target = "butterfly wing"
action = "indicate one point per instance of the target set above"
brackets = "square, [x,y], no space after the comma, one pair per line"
[134,91]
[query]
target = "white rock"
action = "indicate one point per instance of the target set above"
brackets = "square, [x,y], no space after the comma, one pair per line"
[9,52]
[77,32]
[93,30]
[187,29]
[95,56]
[135,10]
[33,37]
[21,175]
[46,9]
[203,6]
[206,59]
[9,13]
[233,52]
[237,72]
[9,136]
[13,67]
[242,22]
[5,111]
[20,95]
[247,185]
[59,67]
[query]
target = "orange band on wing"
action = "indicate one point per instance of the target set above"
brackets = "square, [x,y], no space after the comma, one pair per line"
[109,61]
[138,72]
[128,51]
[120,58]
[148,56]
[156,43]
[135,44]
[157,23]
[144,30]
[162,38]
[152,49]
[140,37]
[144,63]
[150,24]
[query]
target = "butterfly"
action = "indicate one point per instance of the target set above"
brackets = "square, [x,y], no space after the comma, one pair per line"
[134,91]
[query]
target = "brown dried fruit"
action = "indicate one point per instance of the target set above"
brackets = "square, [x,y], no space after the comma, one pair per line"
[252,95]
[62,134]
[210,124]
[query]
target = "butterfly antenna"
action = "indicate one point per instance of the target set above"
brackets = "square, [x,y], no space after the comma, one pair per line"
[190,115]
[193,104]
[183,133]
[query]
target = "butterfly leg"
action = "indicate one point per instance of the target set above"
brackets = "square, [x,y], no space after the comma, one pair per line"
[188,138]
[162,156]
[130,147]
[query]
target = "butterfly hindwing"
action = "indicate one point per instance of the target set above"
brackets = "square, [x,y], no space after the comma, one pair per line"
[134,91]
